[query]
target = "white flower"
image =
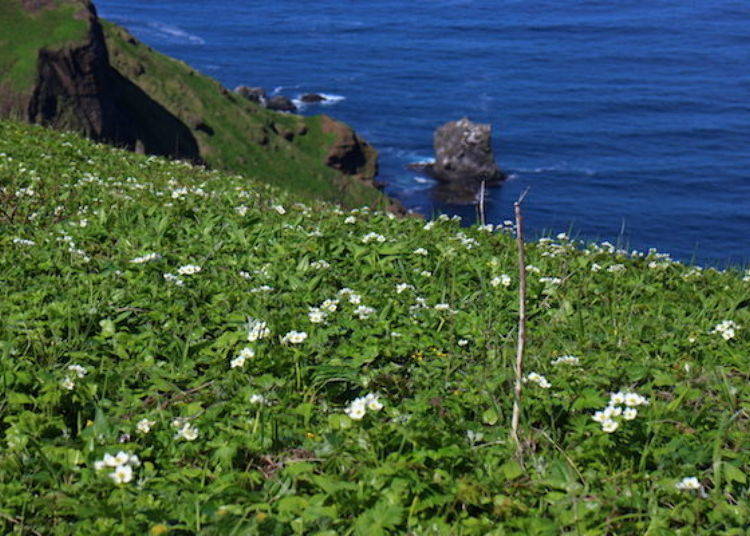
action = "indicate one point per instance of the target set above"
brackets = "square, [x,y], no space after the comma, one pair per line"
[538,379]
[320,265]
[629,414]
[23,242]
[78,370]
[280,209]
[610,426]
[617,398]
[188,432]
[144,426]
[257,399]
[425,273]
[550,280]
[503,279]
[316,315]
[294,337]
[567,360]
[121,458]
[616,268]
[595,267]
[463,342]
[688,483]
[372,402]
[99,465]
[364,312]
[189,269]
[355,299]
[350,220]
[442,307]
[68,383]
[401,287]
[633,400]
[122,474]
[257,330]
[329,306]
[146,258]
[420,251]
[370,237]
[356,410]
[241,210]
[532,269]
[727,329]
[173,279]
[429,225]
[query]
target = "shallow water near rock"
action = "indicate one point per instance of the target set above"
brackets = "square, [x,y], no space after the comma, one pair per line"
[629,121]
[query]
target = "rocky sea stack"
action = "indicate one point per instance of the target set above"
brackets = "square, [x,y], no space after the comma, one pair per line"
[463,155]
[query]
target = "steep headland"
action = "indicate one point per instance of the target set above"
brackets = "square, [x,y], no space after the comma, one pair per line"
[61,66]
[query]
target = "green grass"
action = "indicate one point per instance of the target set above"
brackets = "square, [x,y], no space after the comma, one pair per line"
[245,137]
[435,459]
[24,33]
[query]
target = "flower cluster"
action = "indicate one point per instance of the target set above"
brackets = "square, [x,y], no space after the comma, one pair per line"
[727,329]
[373,237]
[257,330]
[566,360]
[609,416]
[189,269]
[145,258]
[359,406]
[503,279]
[75,371]
[122,463]
[144,426]
[535,377]
[245,354]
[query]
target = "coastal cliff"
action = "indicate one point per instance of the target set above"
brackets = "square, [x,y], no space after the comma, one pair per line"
[63,67]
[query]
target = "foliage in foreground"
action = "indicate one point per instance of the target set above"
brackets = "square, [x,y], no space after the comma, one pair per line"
[126,285]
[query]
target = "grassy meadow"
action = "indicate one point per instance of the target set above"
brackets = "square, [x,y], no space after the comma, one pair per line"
[191,352]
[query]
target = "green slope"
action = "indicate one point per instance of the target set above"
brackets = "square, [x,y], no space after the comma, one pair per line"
[101,353]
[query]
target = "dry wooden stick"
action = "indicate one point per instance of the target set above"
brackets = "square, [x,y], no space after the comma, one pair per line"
[481,204]
[521,326]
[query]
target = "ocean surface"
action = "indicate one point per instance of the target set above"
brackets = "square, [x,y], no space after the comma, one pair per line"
[629,121]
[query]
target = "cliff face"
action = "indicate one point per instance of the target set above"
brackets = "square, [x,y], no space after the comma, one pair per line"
[77,89]
[67,69]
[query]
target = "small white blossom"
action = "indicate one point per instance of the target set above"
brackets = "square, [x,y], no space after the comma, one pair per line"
[144,426]
[174,279]
[689,483]
[257,330]
[610,426]
[280,209]
[629,414]
[463,342]
[257,399]
[364,312]
[145,258]
[350,220]
[24,242]
[538,379]
[67,383]
[567,360]
[78,370]
[503,279]
[188,432]
[122,474]
[189,269]
[373,237]
[294,337]
[329,306]
[420,251]
[316,316]
[401,287]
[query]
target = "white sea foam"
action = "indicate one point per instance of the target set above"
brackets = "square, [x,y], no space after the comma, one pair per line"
[176,32]
[331,98]
[423,180]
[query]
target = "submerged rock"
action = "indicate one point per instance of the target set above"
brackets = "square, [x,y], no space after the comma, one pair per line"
[463,154]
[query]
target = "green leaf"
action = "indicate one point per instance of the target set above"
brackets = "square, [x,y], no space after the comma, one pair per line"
[734,474]
[511,469]
[490,417]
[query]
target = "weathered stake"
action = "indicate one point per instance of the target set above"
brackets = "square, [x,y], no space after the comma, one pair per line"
[521,326]
[482,219]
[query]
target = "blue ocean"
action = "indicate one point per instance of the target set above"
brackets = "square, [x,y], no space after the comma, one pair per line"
[629,121]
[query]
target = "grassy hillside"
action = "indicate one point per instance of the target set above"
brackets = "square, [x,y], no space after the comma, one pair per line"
[25,32]
[129,95]
[234,133]
[127,285]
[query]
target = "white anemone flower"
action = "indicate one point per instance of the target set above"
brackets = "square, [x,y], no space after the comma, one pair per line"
[122,474]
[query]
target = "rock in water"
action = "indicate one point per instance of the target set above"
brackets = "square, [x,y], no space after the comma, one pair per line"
[312,98]
[280,103]
[463,153]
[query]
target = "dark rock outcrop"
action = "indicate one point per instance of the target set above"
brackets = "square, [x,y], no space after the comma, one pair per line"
[312,98]
[77,89]
[463,154]
[280,103]
[350,154]
[254,94]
